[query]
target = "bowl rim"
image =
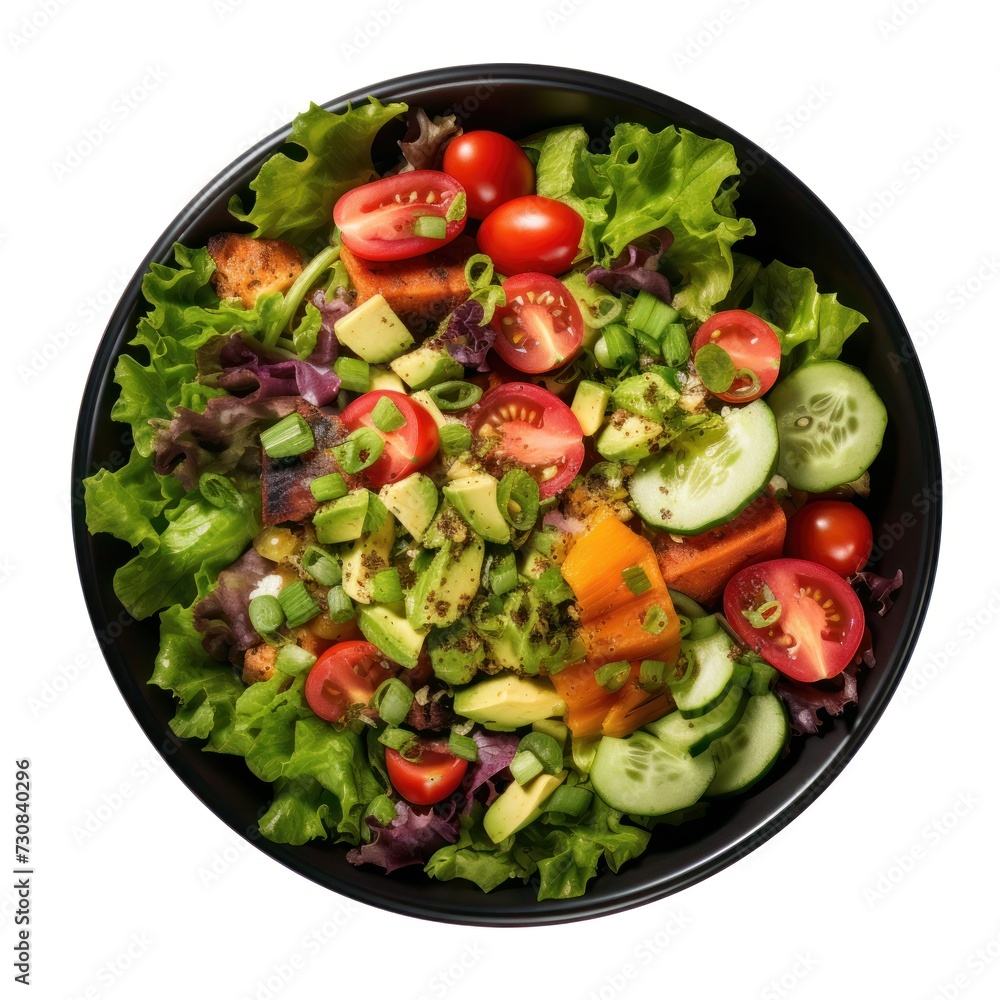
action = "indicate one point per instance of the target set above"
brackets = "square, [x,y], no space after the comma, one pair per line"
[382,893]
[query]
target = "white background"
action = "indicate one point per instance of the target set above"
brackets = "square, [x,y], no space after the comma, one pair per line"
[885,886]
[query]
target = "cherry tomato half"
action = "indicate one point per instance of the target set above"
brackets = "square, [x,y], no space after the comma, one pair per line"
[407,449]
[751,344]
[820,624]
[531,234]
[491,167]
[541,326]
[832,533]
[431,777]
[346,675]
[525,426]
[380,220]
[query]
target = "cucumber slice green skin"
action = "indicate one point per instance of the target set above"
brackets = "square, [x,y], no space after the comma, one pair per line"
[695,736]
[709,677]
[706,478]
[641,776]
[830,425]
[750,750]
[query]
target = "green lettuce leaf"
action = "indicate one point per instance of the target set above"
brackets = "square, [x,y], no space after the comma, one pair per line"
[295,198]
[647,180]
[812,326]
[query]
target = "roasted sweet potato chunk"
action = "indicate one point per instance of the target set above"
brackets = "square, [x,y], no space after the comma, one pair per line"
[246,268]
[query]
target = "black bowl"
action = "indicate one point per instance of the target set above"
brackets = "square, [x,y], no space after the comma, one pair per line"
[794,226]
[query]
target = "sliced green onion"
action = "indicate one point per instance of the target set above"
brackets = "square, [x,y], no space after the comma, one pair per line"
[455,395]
[715,368]
[636,580]
[764,616]
[503,575]
[613,675]
[525,766]
[674,345]
[702,628]
[603,310]
[292,659]
[518,499]
[359,450]
[266,614]
[652,675]
[763,677]
[684,624]
[655,621]
[386,416]
[386,587]
[331,487]
[616,348]
[489,298]
[392,701]
[400,740]
[648,345]
[552,586]
[752,389]
[219,490]
[308,278]
[297,603]
[478,271]
[455,438]
[375,514]
[382,809]
[289,436]
[321,566]
[742,672]
[464,747]
[651,315]
[545,748]
[456,210]
[570,801]
[432,226]
[355,374]
[340,608]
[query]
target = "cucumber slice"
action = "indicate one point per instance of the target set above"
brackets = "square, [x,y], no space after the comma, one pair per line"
[750,750]
[830,425]
[640,775]
[706,478]
[708,677]
[695,736]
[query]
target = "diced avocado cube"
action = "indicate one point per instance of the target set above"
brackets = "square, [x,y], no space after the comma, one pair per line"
[425,399]
[627,437]
[444,591]
[341,520]
[589,404]
[506,702]
[646,395]
[554,728]
[475,499]
[426,366]
[382,379]
[456,652]
[373,331]
[519,805]
[385,626]
[447,526]
[412,501]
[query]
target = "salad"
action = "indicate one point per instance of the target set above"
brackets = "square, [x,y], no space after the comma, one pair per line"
[495,509]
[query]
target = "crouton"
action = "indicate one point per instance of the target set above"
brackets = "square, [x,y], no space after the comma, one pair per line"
[246,268]
[421,291]
[258,663]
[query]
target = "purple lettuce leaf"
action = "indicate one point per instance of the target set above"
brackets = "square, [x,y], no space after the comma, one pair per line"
[468,342]
[425,140]
[805,701]
[496,751]
[327,345]
[410,839]
[222,617]
[246,371]
[880,587]
[636,269]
